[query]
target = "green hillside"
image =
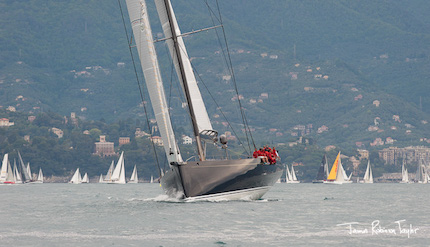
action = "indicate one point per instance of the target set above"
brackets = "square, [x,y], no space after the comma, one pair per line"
[326,63]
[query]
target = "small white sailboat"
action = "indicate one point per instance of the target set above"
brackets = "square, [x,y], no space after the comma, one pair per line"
[133,178]
[85,179]
[39,179]
[101,179]
[17,175]
[3,174]
[337,174]
[76,179]
[39,176]
[421,176]
[368,177]
[405,175]
[152,179]
[118,174]
[293,174]
[290,177]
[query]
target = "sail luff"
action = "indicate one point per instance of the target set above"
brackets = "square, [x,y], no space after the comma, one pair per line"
[147,54]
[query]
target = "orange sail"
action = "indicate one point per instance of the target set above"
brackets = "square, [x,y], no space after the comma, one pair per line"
[333,172]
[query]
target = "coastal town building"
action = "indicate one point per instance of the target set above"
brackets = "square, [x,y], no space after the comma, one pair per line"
[4,122]
[187,140]
[124,140]
[58,132]
[104,148]
[157,140]
[395,155]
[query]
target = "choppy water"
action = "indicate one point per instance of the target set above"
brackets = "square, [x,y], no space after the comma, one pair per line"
[141,215]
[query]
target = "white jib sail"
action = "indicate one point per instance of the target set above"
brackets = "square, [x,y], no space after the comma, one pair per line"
[148,58]
[40,176]
[341,174]
[202,118]
[293,173]
[133,178]
[117,171]
[76,179]
[3,174]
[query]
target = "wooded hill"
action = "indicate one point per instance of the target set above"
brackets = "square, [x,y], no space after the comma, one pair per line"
[320,63]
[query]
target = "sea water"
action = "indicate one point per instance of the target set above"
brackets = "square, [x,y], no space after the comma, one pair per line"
[288,215]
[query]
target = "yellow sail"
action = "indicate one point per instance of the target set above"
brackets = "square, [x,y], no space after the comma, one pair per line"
[333,172]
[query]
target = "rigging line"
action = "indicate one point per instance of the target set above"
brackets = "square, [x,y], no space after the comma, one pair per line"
[142,97]
[213,98]
[245,121]
[211,11]
[230,69]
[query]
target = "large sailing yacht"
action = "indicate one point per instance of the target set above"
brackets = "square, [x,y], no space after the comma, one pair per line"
[202,179]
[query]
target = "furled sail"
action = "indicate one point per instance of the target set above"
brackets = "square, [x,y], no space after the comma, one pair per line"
[145,46]
[202,119]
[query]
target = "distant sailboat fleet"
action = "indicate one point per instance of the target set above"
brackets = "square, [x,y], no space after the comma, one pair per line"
[19,174]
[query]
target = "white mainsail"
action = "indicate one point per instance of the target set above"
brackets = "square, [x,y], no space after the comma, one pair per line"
[326,169]
[3,174]
[405,175]
[133,178]
[27,176]
[118,174]
[152,179]
[76,179]
[368,177]
[28,168]
[101,179]
[17,176]
[290,177]
[10,176]
[202,118]
[109,173]
[293,173]
[341,174]
[117,171]
[85,179]
[145,46]
[40,176]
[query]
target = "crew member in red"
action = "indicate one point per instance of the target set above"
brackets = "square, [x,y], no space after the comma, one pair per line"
[255,154]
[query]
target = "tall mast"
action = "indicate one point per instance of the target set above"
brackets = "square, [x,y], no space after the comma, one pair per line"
[184,79]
